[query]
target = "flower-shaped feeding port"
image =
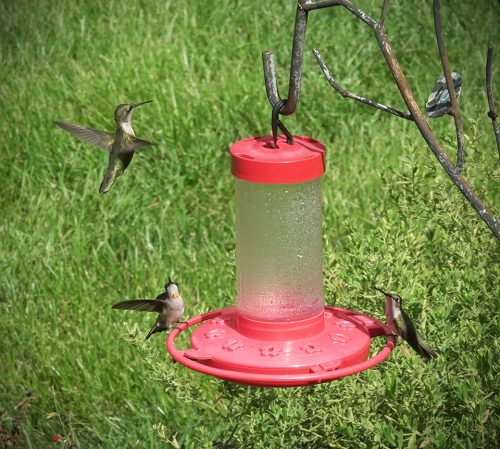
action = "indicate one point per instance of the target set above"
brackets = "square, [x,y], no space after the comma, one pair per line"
[279,333]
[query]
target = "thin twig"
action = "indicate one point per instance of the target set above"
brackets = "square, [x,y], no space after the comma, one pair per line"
[306,6]
[347,94]
[492,113]
[454,111]
[383,15]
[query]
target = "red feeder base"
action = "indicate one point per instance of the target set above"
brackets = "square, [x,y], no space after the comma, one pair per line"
[331,345]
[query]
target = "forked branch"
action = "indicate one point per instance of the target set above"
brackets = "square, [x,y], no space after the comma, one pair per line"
[415,113]
[346,94]
[454,111]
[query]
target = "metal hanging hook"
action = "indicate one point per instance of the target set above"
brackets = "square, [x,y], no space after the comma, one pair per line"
[286,106]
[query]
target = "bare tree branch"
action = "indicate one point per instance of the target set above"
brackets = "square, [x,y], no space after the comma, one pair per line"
[307,6]
[415,114]
[492,113]
[347,94]
[454,111]
[422,125]
[383,15]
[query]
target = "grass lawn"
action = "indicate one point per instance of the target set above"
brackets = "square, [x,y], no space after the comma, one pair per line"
[391,218]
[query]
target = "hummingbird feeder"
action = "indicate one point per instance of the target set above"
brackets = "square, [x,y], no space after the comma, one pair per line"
[279,333]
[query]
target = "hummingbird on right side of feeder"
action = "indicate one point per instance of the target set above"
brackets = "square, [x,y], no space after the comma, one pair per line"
[401,325]
[169,305]
[120,145]
[438,102]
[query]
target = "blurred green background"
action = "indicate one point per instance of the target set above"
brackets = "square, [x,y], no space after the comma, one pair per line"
[391,218]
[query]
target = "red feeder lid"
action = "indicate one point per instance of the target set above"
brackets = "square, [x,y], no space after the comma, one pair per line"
[256,160]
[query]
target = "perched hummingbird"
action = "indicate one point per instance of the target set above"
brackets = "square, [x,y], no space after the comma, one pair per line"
[169,305]
[400,324]
[121,144]
[439,102]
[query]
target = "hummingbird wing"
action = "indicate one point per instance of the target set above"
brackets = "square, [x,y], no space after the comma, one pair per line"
[162,295]
[143,305]
[100,139]
[410,333]
[136,144]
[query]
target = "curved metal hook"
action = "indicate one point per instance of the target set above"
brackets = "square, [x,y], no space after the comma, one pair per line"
[288,105]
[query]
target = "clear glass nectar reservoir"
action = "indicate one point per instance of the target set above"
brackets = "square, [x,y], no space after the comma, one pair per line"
[279,260]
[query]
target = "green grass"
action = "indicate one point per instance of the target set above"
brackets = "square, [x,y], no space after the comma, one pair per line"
[391,217]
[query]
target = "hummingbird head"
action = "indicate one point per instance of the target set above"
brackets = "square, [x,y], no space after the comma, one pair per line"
[396,300]
[123,112]
[172,289]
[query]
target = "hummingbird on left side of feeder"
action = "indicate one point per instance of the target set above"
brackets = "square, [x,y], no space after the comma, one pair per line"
[401,325]
[169,305]
[120,145]
[438,102]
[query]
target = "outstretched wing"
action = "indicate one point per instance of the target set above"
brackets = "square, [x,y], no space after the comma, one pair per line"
[100,139]
[143,305]
[136,144]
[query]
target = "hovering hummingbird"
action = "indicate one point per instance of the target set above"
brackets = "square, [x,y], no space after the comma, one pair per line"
[400,324]
[439,102]
[121,144]
[169,305]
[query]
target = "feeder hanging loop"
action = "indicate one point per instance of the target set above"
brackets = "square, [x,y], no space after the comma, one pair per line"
[276,122]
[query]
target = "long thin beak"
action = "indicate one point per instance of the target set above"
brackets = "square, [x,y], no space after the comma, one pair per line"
[381,291]
[141,103]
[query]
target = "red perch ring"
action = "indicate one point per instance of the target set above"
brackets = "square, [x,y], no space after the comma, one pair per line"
[328,346]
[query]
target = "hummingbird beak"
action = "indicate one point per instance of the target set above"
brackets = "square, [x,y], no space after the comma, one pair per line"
[381,291]
[141,103]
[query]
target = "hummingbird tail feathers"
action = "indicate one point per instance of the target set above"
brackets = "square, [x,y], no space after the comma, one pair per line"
[421,348]
[426,351]
[154,330]
[106,184]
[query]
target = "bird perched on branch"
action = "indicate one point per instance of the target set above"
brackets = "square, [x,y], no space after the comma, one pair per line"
[439,102]
[401,325]
[120,145]
[169,305]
